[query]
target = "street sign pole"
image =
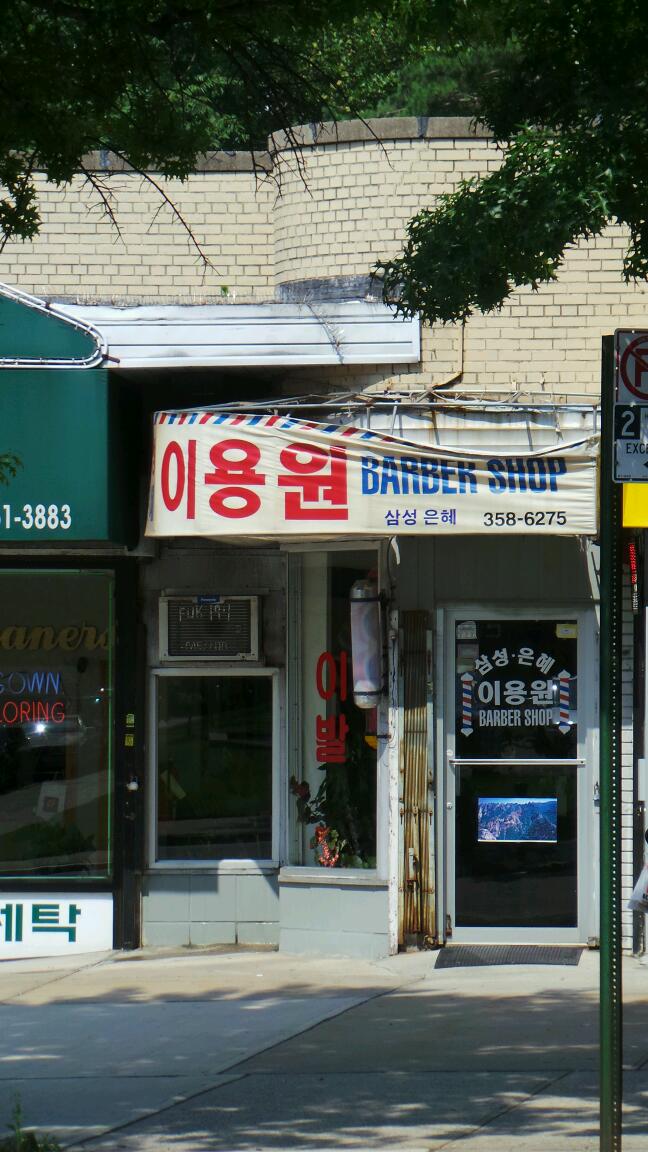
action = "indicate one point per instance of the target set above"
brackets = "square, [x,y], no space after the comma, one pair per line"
[611,1050]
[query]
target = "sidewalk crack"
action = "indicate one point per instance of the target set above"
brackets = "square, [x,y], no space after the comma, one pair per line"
[65,975]
[506,1110]
[88,1140]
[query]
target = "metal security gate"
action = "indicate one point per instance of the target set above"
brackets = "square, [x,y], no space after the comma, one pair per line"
[417,880]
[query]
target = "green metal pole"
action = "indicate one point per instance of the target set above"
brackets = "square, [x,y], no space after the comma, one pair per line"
[611,1046]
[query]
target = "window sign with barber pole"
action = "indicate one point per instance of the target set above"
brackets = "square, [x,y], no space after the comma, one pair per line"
[54,924]
[516,688]
[331,752]
[243,475]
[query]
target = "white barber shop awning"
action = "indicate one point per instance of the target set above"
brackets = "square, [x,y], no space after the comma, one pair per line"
[223,474]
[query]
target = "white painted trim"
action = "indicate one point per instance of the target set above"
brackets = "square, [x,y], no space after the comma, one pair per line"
[332,877]
[215,868]
[393,814]
[384,729]
[516,936]
[440,775]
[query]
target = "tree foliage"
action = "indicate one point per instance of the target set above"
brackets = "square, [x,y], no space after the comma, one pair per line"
[9,465]
[570,111]
[562,85]
[160,81]
[436,79]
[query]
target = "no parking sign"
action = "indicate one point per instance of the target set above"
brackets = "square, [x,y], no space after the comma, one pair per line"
[631,407]
[632,367]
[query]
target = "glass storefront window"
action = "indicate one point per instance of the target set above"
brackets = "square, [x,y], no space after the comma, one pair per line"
[55,723]
[214,766]
[334,785]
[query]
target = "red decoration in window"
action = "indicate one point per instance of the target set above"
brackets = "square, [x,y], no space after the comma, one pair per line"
[330,734]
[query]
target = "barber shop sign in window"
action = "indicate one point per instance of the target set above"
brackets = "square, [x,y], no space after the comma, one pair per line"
[516,689]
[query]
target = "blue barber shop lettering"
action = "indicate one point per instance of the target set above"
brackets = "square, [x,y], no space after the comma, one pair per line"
[409,475]
[432,475]
[525,474]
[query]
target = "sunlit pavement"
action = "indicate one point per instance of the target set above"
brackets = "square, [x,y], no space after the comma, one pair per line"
[230,1051]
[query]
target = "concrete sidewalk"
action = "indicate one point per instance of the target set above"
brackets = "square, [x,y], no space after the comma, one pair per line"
[251,1050]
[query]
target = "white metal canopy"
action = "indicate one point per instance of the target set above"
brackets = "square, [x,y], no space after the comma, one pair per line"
[250,335]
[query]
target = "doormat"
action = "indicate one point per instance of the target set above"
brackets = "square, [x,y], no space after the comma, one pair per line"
[479,955]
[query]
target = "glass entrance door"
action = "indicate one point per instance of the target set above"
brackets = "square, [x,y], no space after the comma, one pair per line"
[516,778]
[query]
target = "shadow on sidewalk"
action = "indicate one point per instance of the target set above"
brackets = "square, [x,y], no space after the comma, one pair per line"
[411,1068]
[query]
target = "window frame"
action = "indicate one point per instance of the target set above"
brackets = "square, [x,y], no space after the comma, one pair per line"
[227,863]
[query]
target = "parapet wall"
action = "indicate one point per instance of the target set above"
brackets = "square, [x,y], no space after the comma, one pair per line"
[150,252]
[312,224]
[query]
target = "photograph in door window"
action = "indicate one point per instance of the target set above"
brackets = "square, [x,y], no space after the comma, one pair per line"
[516,689]
[516,845]
[517,819]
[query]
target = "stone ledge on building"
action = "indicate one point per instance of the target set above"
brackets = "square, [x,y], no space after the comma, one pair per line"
[331,133]
[378,129]
[225,161]
[330,288]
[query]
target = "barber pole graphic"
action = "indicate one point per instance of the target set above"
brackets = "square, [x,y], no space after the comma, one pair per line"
[467,681]
[563,679]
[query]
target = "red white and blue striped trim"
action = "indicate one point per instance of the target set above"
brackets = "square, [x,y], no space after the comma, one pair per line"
[281,423]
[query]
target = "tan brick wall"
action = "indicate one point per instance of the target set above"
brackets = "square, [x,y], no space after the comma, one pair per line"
[549,342]
[338,212]
[352,210]
[349,205]
[79,253]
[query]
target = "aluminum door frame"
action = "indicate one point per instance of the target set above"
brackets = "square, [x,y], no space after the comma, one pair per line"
[586,765]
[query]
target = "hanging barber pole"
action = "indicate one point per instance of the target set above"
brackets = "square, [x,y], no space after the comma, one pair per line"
[271,476]
[366,644]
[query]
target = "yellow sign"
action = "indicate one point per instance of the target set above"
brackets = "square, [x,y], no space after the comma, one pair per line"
[635,505]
